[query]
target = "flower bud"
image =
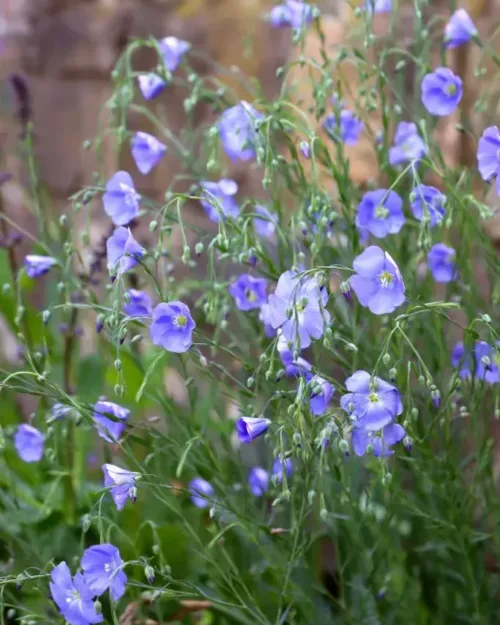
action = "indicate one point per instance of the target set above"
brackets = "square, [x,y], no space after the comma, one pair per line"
[310,496]
[343,446]
[297,439]
[387,479]
[323,513]
[392,373]
[305,149]
[118,364]
[86,522]
[98,606]
[199,247]
[46,317]
[149,573]
[386,359]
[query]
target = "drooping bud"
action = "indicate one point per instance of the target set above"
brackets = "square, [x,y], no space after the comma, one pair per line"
[149,573]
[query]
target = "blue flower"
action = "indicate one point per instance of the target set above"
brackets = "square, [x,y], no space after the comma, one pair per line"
[305,149]
[350,127]
[441,261]
[459,30]
[381,441]
[73,596]
[294,367]
[321,393]
[102,569]
[488,155]
[201,492]
[378,6]
[281,466]
[441,91]
[250,428]
[36,266]
[484,358]
[217,198]
[123,251]
[121,483]
[237,131]
[58,412]
[377,282]
[172,327]
[29,443]
[265,318]
[291,13]
[121,200]
[151,85]
[140,304]
[298,308]
[146,151]
[428,201]
[408,144]
[381,213]
[258,481]
[110,429]
[173,51]
[461,359]
[265,222]
[249,292]
[372,403]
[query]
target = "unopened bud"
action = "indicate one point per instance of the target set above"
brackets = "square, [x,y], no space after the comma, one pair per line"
[86,522]
[343,446]
[199,247]
[46,317]
[98,606]
[153,225]
[310,496]
[118,364]
[386,359]
[149,573]
[297,439]
[323,513]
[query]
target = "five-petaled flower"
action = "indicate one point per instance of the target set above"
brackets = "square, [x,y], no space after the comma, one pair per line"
[381,441]
[172,327]
[139,305]
[343,126]
[250,428]
[201,492]
[380,212]
[173,51]
[121,200]
[321,392]
[371,403]
[249,292]
[441,91]
[377,282]
[282,466]
[73,597]
[264,221]
[217,198]
[102,569]
[237,131]
[110,429]
[29,443]
[122,484]
[146,151]
[36,266]
[291,13]
[483,362]
[428,201]
[441,261]
[258,481]
[298,307]
[123,251]
[488,155]
[408,144]
[459,30]
[151,85]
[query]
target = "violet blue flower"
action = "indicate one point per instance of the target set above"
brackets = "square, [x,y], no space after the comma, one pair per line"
[378,6]
[408,144]
[321,393]
[377,282]
[29,443]
[102,569]
[110,429]
[381,441]
[428,201]
[488,155]
[73,597]
[459,30]
[217,198]
[250,428]
[121,483]
[441,91]
[173,51]
[151,85]
[172,327]
[291,13]
[305,149]
[36,266]
[487,359]
[123,251]
[201,492]
[140,304]
[372,403]
[146,151]
[441,261]
[265,318]
[265,221]
[461,359]
[58,412]
[249,292]
[281,466]
[350,127]
[294,367]
[298,308]
[237,131]
[258,481]
[381,213]
[121,200]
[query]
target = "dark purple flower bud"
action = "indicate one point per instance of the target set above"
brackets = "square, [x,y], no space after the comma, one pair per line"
[345,289]
[99,324]
[305,149]
[23,100]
